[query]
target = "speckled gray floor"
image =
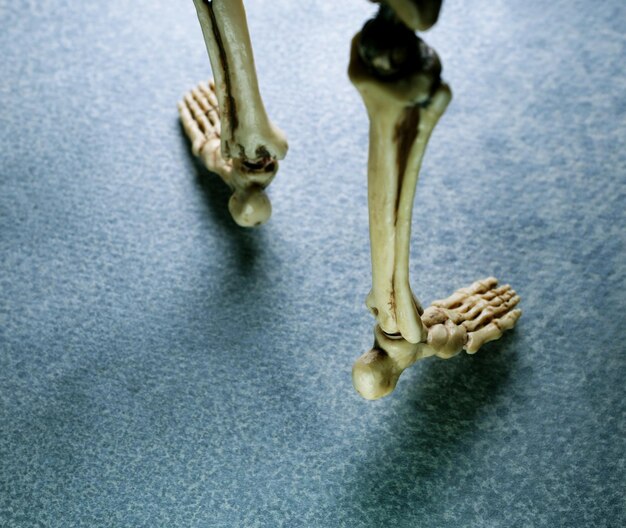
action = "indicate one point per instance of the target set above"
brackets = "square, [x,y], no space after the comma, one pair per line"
[161,367]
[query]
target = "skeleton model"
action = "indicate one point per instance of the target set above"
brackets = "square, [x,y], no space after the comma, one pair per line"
[398,77]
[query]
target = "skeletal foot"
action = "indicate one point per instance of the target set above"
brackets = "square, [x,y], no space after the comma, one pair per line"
[200,117]
[467,319]
[484,311]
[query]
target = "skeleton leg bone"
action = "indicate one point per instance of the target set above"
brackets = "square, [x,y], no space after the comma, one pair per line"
[231,110]
[200,117]
[403,113]
[398,77]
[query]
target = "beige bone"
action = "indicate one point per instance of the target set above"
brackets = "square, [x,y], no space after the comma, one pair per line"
[402,116]
[419,15]
[466,320]
[247,132]
[200,117]
[226,120]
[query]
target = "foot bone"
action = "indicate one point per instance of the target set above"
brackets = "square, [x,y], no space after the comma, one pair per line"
[467,319]
[200,117]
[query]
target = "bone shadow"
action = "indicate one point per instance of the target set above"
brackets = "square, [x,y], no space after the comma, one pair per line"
[411,454]
[245,242]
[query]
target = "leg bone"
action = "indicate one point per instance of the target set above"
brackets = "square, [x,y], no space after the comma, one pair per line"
[403,113]
[247,132]
[226,121]
[419,15]
[200,117]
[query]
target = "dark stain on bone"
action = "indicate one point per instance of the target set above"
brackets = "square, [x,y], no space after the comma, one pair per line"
[263,166]
[392,296]
[404,137]
[262,153]
[230,112]
[252,166]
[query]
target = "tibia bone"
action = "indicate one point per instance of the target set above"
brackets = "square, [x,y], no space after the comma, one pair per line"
[402,116]
[247,133]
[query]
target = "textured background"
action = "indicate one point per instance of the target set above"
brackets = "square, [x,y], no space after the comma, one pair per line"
[161,367]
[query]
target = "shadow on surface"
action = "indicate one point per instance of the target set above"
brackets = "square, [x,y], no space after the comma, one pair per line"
[245,242]
[428,441]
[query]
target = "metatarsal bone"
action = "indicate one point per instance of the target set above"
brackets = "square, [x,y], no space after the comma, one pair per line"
[247,132]
[484,310]
[492,331]
[199,116]
[462,294]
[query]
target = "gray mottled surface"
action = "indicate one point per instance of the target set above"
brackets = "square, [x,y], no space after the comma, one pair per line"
[160,367]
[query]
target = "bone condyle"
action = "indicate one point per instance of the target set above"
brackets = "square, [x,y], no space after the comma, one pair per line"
[399,79]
